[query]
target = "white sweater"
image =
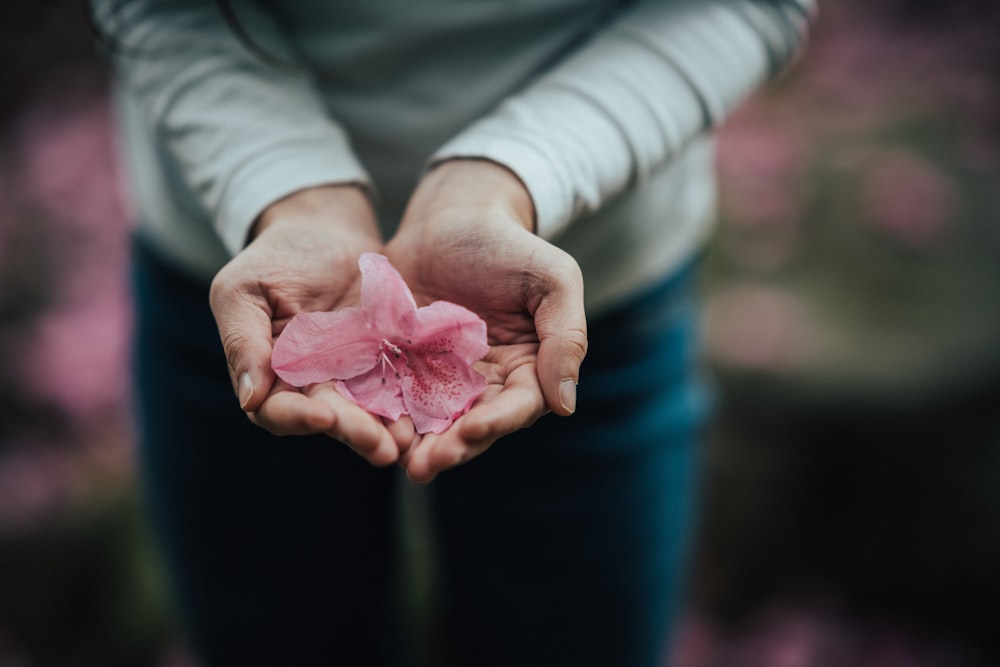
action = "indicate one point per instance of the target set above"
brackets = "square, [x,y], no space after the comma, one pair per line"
[601,108]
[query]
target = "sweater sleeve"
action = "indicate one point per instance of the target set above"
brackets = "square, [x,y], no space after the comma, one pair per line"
[244,132]
[629,99]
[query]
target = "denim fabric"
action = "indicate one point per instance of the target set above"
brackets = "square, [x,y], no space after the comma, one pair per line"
[564,544]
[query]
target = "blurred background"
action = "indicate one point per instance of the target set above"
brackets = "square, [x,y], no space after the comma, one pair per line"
[852,326]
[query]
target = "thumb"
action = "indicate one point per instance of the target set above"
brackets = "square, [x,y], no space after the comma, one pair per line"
[561,325]
[244,324]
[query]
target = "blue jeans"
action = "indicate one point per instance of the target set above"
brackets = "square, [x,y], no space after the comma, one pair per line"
[564,544]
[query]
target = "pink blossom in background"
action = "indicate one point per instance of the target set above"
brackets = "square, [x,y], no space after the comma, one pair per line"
[845,70]
[387,355]
[763,160]
[868,80]
[763,166]
[68,165]
[75,355]
[758,328]
[695,643]
[908,197]
[794,632]
[794,636]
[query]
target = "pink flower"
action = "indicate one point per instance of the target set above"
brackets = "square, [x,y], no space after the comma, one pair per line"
[387,355]
[909,197]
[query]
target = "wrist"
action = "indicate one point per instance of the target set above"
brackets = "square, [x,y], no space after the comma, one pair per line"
[348,206]
[476,183]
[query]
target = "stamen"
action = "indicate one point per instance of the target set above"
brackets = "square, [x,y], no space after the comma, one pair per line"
[387,361]
[396,351]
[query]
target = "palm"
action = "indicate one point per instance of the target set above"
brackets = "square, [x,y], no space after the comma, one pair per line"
[306,282]
[504,274]
[510,368]
[303,259]
[488,270]
[512,400]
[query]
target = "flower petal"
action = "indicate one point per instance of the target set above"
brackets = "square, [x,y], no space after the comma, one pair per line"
[385,298]
[447,327]
[315,347]
[437,388]
[375,391]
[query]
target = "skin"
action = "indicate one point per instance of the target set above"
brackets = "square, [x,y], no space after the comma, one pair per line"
[466,237]
[303,257]
[466,218]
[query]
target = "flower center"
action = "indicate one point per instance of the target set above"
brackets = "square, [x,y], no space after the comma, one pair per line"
[389,351]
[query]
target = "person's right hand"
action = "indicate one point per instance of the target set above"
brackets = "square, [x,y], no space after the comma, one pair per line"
[303,257]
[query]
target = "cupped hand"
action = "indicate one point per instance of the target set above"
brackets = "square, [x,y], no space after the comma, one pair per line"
[303,257]
[466,237]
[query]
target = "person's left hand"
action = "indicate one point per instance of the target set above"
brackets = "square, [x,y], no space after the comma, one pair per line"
[466,238]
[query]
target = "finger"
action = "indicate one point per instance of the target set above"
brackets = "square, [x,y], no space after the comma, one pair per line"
[288,412]
[244,323]
[440,455]
[404,456]
[437,453]
[417,460]
[561,324]
[402,431]
[356,427]
[516,406]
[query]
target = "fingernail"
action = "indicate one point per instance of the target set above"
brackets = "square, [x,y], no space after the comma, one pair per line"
[567,395]
[245,390]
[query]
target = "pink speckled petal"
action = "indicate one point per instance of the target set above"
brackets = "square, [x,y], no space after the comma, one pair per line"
[447,327]
[355,346]
[437,389]
[315,347]
[376,392]
[385,298]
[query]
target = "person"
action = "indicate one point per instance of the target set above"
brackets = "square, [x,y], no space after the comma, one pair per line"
[502,155]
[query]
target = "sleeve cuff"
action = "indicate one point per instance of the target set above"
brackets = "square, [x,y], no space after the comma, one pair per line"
[550,194]
[275,175]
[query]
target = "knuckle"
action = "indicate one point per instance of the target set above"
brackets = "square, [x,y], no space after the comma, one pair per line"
[232,290]
[221,290]
[263,420]
[574,343]
[565,271]
[553,273]
[232,344]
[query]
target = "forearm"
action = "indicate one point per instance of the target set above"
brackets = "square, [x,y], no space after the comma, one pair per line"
[347,207]
[628,101]
[244,133]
